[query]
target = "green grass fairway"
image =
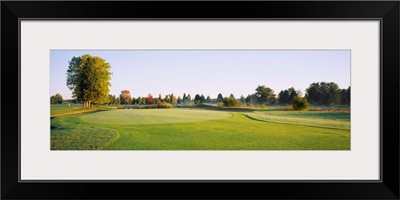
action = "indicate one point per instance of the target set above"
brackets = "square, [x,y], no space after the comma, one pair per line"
[153,116]
[191,129]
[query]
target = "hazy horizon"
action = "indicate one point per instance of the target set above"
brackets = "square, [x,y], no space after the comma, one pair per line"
[208,72]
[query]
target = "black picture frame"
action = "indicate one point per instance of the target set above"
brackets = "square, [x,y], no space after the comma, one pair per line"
[386,11]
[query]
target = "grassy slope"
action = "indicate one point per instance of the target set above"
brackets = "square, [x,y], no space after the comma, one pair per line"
[334,120]
[235,133]
[63,109]
[66,136]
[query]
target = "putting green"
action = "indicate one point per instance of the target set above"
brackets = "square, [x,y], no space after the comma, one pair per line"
[153,116]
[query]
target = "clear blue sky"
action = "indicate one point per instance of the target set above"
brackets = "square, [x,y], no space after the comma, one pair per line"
[208,72]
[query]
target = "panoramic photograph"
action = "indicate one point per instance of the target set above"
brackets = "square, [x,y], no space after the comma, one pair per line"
[200,100]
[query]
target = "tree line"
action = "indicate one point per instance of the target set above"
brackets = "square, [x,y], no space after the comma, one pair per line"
[323,93]
[88,78]
[320,93]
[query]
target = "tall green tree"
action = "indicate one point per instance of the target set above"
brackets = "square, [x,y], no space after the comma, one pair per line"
[208,100]
[345,96]
[184,98]
[112,99]
[265,95]
[283,97]
[313,93]
[179,101]
[292,93]
[242,99]
[174,100]
[249,99]
[88,77]
[348,96]
[220,98]
[197,99]
[286,96]
[167,99]
[323,93]
[56,99]
[159,98]
[230,102]
[202,99]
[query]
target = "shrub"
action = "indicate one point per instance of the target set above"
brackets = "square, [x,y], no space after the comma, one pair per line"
[300,103]
[164,105]
[289,107]
[220,104]
[230,102]
[263,107]
[149,107]
[250,105]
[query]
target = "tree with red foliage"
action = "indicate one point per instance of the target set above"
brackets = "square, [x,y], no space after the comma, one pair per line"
[149,99]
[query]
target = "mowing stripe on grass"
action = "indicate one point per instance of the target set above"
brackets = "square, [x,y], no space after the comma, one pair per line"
[329,120]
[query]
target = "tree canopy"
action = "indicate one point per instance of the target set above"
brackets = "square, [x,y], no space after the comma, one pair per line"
[56,99]
[197,99]
[125,97]
[208,100]
[112,99]
[220,98]
[265,95]
[324,93]
[149,99]
[173,99]
[230,102]
[345,96]
[88,77]
[286,96]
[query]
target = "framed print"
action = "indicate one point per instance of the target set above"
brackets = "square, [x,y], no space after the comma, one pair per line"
[299,96]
